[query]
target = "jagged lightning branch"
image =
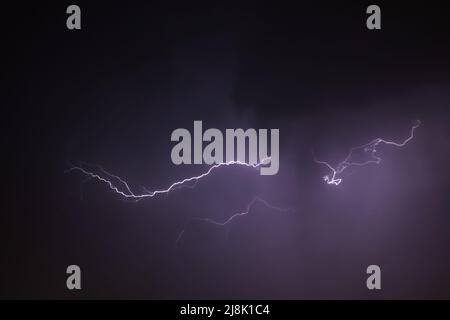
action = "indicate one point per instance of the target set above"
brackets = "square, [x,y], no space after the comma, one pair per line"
[126,192]
[106,177]
[234,216]
[367,148]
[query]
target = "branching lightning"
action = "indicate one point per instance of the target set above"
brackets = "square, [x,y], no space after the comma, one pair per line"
[368,148]
[247,210]
[123,189]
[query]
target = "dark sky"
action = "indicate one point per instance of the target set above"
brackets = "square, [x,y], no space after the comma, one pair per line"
[112,93]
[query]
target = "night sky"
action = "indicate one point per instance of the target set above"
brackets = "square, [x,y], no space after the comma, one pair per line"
[111,94]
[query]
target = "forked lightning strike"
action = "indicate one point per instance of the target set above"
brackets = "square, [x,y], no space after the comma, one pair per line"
[127,193]
[367,148]
[121,187]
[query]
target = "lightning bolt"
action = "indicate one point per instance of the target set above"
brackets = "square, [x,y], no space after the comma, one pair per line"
[122,188]
[247,210]
[368,148]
